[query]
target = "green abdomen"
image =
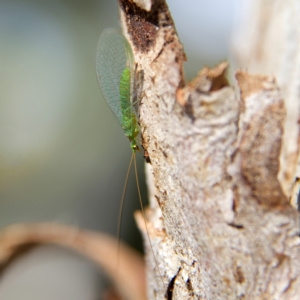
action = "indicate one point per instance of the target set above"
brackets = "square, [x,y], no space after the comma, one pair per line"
[129,122]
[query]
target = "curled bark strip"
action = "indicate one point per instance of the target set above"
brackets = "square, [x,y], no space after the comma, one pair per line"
[128,276]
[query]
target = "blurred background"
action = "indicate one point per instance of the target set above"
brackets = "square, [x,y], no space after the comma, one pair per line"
[63,156]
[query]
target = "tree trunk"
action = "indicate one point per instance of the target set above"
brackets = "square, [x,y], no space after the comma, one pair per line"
[221,166]
[220,222]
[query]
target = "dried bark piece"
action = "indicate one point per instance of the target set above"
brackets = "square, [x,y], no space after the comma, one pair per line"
[267,42]
[261,130]
[128,275]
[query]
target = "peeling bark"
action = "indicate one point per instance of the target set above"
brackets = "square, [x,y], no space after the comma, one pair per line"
[125,268]
[268,42]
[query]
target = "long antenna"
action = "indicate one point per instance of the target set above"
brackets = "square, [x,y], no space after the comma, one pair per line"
[144,217]
[122,207]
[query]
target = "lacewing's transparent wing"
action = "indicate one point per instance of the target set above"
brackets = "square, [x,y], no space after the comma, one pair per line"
[113,56]
[116,77]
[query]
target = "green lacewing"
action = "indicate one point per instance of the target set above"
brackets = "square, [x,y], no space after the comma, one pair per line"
[115,72]
[116,77]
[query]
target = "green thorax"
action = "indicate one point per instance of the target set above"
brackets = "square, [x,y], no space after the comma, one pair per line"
[129,122]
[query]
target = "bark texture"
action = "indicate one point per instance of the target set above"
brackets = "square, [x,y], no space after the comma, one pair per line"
[219,220]
[221,165]
[268,42]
